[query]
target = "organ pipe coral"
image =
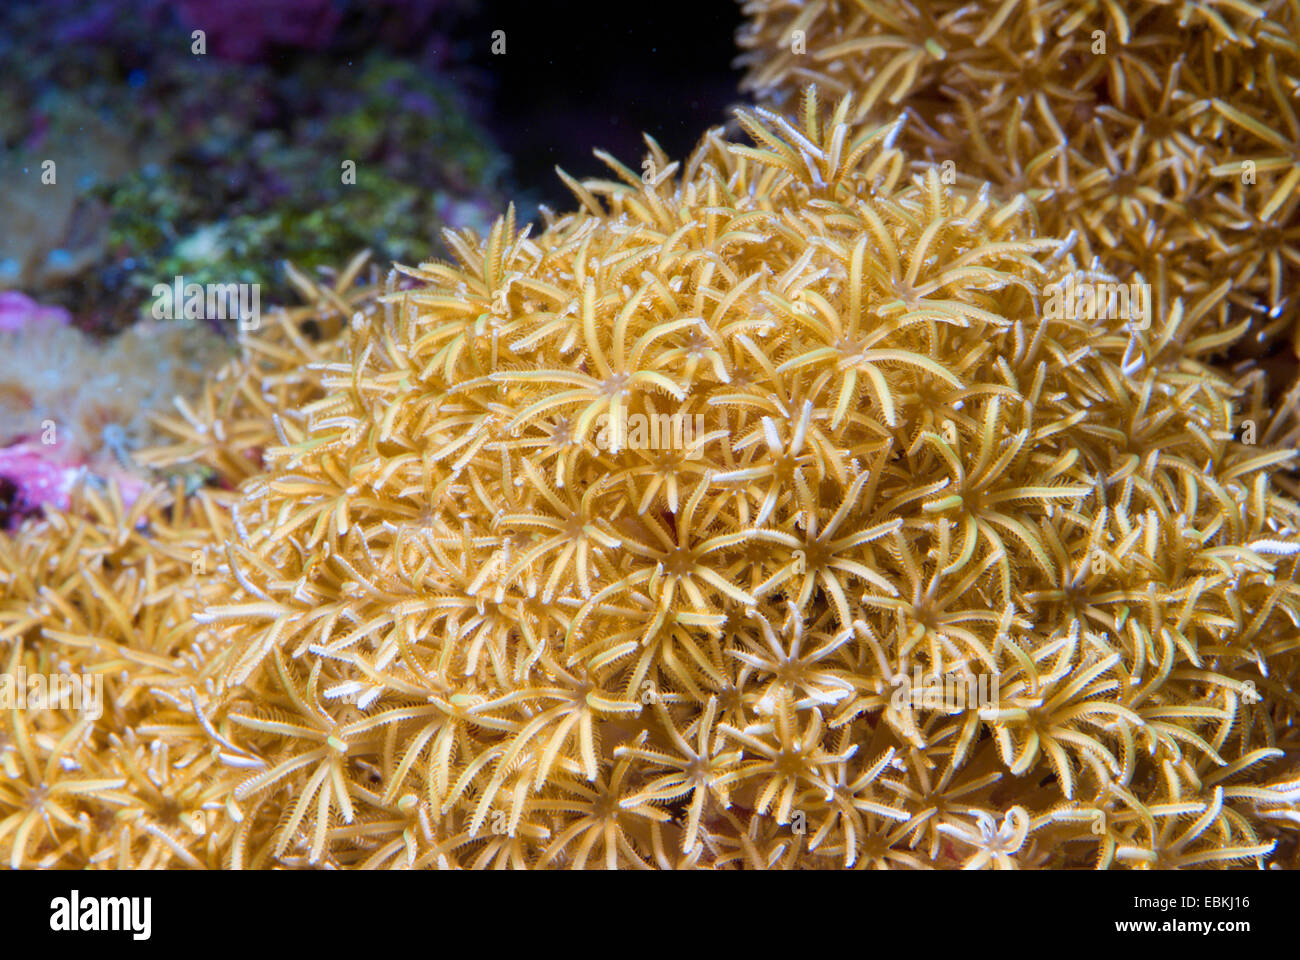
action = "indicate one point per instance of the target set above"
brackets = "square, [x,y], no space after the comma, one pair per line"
[225,430]
[106,591]
[1162,136]
[481,601]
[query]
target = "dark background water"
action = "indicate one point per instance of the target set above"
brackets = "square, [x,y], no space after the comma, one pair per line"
[588,74]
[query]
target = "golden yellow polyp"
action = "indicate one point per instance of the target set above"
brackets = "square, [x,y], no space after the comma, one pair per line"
[1161,136]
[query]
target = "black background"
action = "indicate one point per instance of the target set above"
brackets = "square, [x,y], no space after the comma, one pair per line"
[579,75]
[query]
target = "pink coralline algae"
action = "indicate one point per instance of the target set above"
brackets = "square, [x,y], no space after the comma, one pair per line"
[19,311]
[34,476]
[31,478]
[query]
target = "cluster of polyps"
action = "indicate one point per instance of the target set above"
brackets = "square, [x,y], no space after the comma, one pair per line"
[443,626]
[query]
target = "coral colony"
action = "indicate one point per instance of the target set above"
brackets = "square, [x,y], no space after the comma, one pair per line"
[932,575]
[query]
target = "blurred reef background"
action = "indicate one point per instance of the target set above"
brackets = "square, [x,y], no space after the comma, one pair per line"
[128,159]
[218,167]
